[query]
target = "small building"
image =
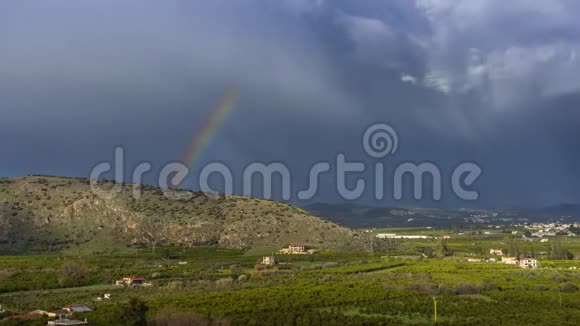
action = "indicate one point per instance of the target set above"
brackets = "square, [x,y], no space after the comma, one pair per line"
[131,280]
[66,322]
[297,248]
[268,260]
[509,260]
[294,249]
[497,252]
[72,308]
[544,240]
[528,263]
[474,260]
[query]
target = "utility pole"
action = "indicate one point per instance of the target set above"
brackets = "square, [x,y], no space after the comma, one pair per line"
[372,245]
[435,309]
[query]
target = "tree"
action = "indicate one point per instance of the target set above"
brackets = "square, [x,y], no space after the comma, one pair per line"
[442,250]
[131,314]
[72,274]
[556,251]
[135,313]
[514,249]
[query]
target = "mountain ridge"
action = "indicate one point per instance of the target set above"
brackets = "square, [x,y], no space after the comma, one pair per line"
[58,212]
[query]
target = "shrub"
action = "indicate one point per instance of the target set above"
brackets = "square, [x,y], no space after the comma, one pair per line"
[390,287]
[4,275]
[445,290]
[541,287]
[72,274]
[224,283]
[569,287]
[488,285]
[175,284]
[558,278]
[466,288]
[426,288]
[170,318]
[520,288]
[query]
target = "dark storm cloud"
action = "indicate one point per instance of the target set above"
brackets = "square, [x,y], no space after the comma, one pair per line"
[489,81]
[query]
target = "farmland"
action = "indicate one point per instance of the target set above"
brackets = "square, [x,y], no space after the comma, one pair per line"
[395,283]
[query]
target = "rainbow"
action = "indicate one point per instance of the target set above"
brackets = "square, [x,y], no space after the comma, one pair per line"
[213,120]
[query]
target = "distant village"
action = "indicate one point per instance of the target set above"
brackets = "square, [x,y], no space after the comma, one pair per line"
[527,231]
[541,230]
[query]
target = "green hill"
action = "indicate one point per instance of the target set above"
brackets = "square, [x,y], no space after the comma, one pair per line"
[55,213]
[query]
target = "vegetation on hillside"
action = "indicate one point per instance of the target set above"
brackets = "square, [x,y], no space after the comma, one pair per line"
[52,213]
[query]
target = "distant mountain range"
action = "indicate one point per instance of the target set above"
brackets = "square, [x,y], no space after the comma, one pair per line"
[361,216]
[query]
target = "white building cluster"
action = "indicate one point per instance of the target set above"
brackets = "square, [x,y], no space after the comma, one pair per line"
[401,236]
[541,230]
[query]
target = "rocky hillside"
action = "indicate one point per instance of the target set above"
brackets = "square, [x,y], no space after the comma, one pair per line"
[56,213]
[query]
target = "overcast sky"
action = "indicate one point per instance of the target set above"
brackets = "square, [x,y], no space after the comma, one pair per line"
[488,81]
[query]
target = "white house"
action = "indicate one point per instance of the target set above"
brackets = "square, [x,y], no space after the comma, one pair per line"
[497,252]
[268,260]
[528,263]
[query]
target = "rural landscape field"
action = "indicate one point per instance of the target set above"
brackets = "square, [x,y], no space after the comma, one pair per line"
[362,278]
[289,162]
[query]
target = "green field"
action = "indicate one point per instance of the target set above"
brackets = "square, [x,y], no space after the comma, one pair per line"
[225,286]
